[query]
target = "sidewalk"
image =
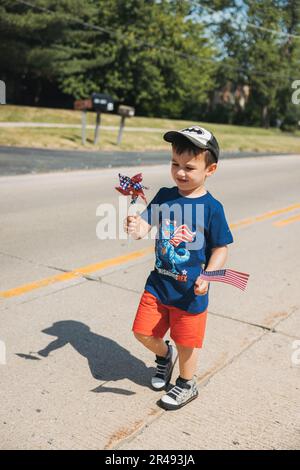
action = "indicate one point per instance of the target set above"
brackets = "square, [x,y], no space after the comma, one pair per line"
[89,386]
[77,126]
[74,375]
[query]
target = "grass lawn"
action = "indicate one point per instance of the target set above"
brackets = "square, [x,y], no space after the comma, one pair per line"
[231,138]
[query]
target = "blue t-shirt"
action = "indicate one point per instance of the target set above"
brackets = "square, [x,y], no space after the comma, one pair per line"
[187,230]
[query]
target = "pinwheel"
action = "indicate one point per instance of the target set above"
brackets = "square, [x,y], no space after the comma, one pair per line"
[132,187]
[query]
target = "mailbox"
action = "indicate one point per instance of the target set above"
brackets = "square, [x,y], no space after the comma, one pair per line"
[2,92]
[102,103]
[126,111]
[83,105]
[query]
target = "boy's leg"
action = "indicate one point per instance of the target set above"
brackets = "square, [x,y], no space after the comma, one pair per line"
[185,388]
[165,359]
[150,326]
[156,345]
[187,361]
[188,332]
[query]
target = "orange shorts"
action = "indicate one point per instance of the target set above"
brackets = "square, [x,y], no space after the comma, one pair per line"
[154,319]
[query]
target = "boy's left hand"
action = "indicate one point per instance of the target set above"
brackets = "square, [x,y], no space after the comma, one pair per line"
[200,286]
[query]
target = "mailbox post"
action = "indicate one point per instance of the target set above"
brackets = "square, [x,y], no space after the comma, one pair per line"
[101,103]
[124,112]
[98,102]
[2,92]
[83,105]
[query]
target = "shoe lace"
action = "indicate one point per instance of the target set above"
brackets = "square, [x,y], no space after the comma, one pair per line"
[176,390]
[161,367]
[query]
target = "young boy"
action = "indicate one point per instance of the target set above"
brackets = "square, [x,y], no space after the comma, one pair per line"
[193,235]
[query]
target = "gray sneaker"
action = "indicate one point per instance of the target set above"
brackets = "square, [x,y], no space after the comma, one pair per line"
[181,394]
[164,369]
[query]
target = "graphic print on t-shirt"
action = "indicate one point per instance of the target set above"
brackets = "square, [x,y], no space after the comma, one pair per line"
[168,256]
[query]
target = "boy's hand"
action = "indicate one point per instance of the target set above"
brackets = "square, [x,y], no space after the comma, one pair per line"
[132,225]
[200,286]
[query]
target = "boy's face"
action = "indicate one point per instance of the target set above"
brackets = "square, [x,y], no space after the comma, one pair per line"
[189,172]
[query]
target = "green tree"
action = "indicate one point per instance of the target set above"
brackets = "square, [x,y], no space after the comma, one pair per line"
[31,43]
[268,65]
[152,57]
[259,48]
[149,54]
[287,112]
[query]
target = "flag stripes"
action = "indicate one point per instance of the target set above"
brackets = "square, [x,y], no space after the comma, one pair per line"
[228,276]
[182,234]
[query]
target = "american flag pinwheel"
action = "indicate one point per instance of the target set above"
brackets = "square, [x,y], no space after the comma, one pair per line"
[132,187]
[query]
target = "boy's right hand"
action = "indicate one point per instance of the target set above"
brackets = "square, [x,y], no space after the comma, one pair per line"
[132,225]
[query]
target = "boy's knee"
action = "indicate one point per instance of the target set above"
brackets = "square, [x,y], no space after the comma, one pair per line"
[142,338]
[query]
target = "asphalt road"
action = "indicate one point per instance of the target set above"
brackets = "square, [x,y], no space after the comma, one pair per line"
[73,376]
[18,160]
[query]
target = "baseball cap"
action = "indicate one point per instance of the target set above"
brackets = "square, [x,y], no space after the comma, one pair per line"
[200,137]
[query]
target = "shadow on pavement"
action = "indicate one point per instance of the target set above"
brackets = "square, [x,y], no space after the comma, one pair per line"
[107,360]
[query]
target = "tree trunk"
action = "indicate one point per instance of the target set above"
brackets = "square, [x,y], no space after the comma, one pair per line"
[265,117]
[38,91]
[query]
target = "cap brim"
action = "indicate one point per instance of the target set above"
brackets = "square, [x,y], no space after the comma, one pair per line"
[170,135]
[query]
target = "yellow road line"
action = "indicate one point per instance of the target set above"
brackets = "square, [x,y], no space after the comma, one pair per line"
[135,255]
[265,216]
[76,273]
[290,220]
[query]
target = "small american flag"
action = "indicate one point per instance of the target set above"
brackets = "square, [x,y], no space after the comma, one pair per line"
[229,276]
[182,234]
